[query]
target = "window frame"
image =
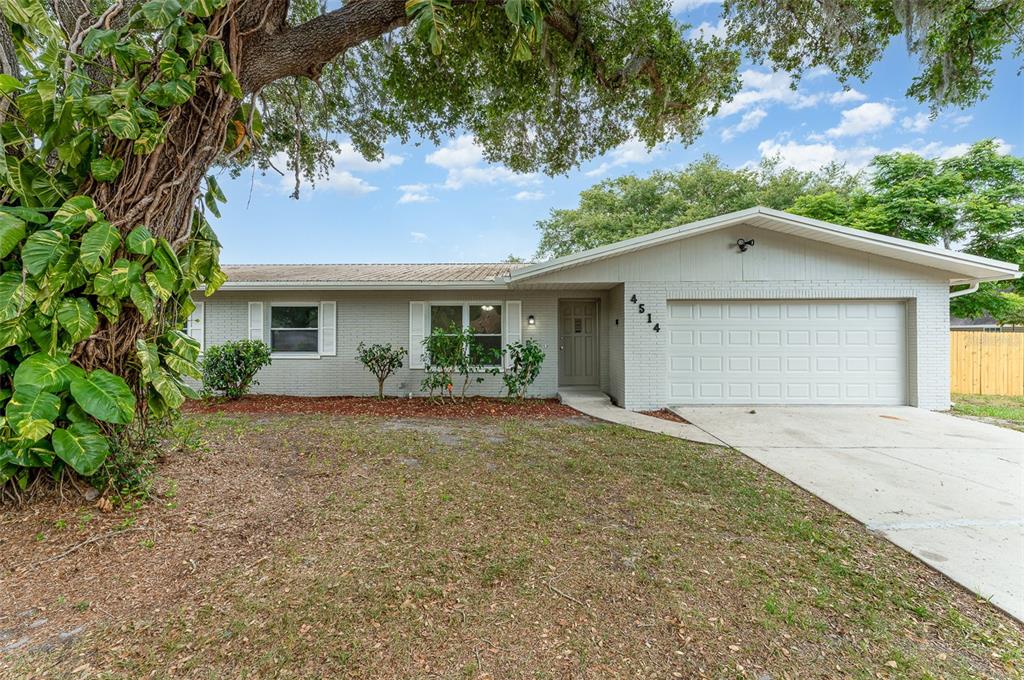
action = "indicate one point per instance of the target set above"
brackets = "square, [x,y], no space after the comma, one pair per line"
[285,354]
[465,324]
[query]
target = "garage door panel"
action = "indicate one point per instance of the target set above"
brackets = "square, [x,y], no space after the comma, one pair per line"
[787,352]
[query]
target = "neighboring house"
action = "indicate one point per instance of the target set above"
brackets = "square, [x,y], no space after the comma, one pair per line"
[754,307]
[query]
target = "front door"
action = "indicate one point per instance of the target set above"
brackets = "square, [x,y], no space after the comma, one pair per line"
[578,361]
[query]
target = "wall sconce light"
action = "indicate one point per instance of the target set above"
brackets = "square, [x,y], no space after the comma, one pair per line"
[531,321]
[743,244]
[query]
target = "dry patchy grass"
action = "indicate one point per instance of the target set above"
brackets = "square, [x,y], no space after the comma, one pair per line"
[323,546]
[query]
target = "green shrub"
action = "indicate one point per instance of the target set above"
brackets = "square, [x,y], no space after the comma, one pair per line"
[522,367]
[230,368]
[381,360]
[452,352]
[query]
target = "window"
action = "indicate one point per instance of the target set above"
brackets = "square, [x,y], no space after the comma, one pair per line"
[483,319]
[294,328]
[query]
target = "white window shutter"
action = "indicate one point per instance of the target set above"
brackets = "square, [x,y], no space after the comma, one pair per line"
[328,328]
[256,321]
[196,325]
[417,333]
[512,324]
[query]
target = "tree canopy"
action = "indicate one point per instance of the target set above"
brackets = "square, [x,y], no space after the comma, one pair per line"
[972,202]
[628,206]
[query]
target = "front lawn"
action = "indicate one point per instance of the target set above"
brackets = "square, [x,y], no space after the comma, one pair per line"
[1005,411]
[338,546]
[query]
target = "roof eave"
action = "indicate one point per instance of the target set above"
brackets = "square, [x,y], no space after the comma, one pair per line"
[359,285]
[992,270]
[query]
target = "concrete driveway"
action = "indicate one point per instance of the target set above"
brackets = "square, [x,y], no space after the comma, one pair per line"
[947,489]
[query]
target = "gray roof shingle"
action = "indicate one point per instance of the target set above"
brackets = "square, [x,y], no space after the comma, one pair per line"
[368,273]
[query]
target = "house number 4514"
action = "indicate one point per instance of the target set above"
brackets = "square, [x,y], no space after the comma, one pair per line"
[642,309]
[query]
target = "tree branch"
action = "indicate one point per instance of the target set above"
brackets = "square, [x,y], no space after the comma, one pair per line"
[305,49]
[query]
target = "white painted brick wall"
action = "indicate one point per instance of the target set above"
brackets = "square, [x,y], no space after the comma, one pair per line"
[379,317]
[927,329]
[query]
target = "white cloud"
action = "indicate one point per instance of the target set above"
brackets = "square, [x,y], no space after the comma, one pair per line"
[679,6]
[415,193]
[347,158]
[869,117]
[337,179]
[811,157]
[632,151]
[766,87]
[707,30]
[417,236]
[463,158]
[530,195]
[847,97]
[960,121]
[919,122]
[343,182]
[749,121]
[944,151]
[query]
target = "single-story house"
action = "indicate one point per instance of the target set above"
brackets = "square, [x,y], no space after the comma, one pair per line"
[753,307]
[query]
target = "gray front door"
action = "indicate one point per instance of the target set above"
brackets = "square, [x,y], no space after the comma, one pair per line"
[578,362]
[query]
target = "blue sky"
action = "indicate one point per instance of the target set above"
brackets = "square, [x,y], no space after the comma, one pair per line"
[445,204]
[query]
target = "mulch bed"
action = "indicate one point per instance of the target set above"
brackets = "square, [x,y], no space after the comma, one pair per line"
[666,414]
[473,407]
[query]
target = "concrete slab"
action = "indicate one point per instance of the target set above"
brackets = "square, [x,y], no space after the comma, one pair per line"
[597,404]
[949,490]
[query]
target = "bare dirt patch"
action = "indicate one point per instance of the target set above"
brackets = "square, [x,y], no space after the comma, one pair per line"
[418,407]
[333,546]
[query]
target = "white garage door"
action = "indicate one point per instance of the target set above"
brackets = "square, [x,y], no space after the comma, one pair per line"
[775,352]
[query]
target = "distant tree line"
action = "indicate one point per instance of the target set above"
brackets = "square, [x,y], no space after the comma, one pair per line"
[973,202]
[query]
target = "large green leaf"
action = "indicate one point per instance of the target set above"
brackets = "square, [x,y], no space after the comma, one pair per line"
[16,294]
[106,169]
[9,84]
[31,215]
[31,412]
[160,13]
[45,372]
[141,241]
[77,317]
[182,345]
[81,446]
[124,273]
[104,396]
[12,230]
[205,8]
[167,387]
[149,358]
[143,300]
[98,244]
[182,365]
[123,124]
[77,211]
[42,249]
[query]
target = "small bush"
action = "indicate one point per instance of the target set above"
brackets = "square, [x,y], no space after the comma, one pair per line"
[522,367]
[230,369]
[455,351]
[382,361]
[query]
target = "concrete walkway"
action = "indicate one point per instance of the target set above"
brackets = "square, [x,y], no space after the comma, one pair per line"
[947,489]
[597,404]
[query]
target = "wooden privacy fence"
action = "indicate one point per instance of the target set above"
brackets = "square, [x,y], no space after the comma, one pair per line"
[987,363]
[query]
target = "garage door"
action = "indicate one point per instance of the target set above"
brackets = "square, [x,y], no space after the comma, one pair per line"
[774,352]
